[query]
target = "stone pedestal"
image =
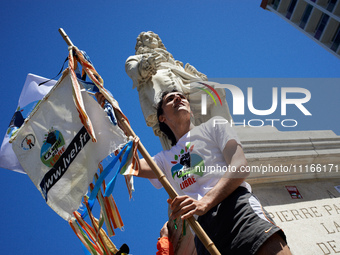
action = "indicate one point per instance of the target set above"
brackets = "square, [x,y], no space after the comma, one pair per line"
[304,161]
[311,224]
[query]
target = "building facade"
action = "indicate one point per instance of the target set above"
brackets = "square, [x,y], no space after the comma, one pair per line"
[318,19]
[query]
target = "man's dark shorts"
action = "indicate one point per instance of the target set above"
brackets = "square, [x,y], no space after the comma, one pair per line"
[238,225]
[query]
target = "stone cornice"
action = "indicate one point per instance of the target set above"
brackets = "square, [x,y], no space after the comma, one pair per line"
[295,155]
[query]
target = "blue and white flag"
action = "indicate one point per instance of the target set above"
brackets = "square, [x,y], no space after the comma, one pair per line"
[30,96]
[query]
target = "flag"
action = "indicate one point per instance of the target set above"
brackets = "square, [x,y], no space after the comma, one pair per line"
[56,150]
[30,95]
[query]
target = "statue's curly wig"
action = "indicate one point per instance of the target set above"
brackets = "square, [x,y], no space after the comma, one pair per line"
[140,49]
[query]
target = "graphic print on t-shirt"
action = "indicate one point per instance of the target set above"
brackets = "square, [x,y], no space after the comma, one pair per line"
[186,166]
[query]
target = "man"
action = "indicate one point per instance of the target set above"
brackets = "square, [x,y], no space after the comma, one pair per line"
[206,166]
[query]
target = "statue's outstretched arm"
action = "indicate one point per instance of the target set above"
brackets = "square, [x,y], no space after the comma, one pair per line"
[192,70]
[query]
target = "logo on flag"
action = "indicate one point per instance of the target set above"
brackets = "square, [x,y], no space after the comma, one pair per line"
[52,148]
[28,142]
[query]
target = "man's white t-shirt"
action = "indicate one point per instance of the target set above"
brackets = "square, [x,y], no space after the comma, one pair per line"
[196,163]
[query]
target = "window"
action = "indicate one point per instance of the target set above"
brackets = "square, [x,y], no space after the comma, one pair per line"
[330,5]
[276,4]
[291,8]
[305,16]
[321,26]
[336,40]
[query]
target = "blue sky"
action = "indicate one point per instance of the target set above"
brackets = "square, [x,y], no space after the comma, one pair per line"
[223,39]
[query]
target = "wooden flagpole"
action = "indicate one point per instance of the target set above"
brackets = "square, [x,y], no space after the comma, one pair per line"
[209,245]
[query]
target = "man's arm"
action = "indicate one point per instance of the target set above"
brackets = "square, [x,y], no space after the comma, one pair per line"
[145,170]
[186,206]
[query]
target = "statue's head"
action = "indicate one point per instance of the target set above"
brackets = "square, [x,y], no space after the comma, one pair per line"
[146,41]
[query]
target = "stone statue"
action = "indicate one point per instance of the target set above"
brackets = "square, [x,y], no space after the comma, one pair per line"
[153,70]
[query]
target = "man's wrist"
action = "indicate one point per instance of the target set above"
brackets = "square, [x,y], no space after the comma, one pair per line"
[207,202]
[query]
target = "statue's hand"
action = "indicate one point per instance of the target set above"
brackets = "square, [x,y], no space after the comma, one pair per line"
[156,59]
[149,64]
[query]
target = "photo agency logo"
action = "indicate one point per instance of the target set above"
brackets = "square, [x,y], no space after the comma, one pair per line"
[206,89]
[271,107]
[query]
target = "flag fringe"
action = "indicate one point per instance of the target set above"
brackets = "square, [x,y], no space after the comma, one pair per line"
[93,236]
